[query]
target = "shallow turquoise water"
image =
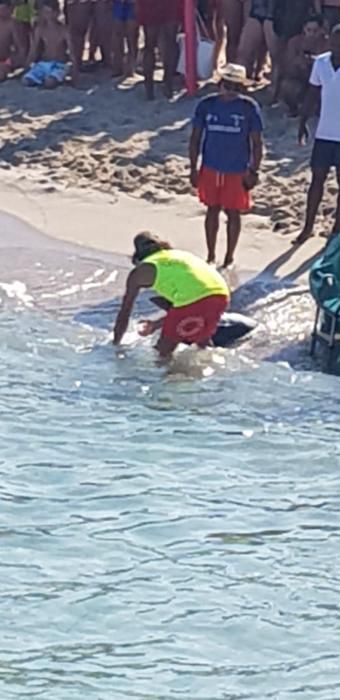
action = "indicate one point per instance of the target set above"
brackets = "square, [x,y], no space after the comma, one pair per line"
[164,535]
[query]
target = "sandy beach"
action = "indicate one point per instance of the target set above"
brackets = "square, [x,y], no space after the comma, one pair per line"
[96,164]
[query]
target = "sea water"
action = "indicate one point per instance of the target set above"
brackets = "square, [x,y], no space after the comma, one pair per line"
[166,533]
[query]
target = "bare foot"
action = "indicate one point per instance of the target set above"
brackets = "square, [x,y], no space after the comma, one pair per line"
[302,238]
[228,263]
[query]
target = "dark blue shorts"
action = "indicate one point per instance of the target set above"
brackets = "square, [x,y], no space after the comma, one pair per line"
[325,154]
[123,11]
[262,10]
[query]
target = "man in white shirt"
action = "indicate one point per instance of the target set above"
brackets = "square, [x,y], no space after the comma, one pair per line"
[324,81]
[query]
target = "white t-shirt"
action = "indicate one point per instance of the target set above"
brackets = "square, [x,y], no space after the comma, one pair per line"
[323,75]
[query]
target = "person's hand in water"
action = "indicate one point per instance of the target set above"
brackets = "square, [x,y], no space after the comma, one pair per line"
[148,327]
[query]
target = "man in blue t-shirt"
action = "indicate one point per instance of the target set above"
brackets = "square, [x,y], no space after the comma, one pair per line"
[230,126]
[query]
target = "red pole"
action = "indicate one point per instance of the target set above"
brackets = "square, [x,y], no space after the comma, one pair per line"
[190,45]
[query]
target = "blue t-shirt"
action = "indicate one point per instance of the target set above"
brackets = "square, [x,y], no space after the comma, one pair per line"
[227,125]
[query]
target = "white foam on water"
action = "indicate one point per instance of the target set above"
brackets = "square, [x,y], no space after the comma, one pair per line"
[17,290]
[83,287]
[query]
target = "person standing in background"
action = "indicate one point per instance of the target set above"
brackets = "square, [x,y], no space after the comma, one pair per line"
[160,20]
[211,20]
[230,125]
[236,12]
[225,16]
[258,29]
[124,27]
[324,82]
[85,14]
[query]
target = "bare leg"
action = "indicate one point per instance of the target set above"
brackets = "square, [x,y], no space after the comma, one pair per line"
[336,228]
[104,24]
[250,43]
[93,41]
[118,48]
[219,26]
[260,60]
[273,43]
[4,70]
[166,347]
[132,32]
[233,17]
[151,39]
[170,55]
[233,234]
[79,18]
[313,202]
[212,221]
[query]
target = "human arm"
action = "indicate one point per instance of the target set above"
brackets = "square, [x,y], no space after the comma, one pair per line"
[198,127]
[308,110]
[251,177]
[310,103]
[194,151]
[318,6]
[256,147]
[141,277]
[255,125]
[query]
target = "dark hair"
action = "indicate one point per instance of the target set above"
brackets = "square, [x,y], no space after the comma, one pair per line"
[5,3]
[318,19]
[146,244]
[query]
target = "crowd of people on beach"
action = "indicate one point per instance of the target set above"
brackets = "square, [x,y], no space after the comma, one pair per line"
[293,44]
[50,40]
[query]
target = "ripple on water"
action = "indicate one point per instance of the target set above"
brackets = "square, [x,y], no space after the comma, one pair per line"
[164,534]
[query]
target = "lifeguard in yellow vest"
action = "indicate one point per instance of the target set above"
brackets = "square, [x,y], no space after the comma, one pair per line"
[193,292]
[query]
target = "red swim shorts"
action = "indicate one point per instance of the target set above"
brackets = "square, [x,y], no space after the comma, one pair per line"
[156,12]
[195,323]
[223,190]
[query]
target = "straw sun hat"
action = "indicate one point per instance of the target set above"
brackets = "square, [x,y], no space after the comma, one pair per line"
[233,73]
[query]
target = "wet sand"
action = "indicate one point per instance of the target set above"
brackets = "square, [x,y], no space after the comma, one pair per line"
[93,166]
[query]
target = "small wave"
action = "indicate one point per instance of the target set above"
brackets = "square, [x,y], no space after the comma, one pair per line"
[83,287]
[17,290]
